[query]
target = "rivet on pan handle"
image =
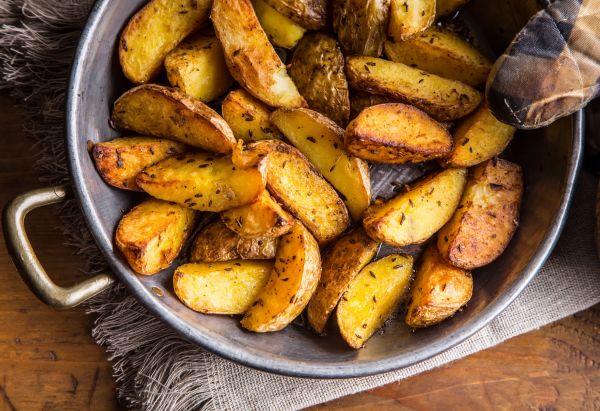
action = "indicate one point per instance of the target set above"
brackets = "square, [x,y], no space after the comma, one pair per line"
[25,260]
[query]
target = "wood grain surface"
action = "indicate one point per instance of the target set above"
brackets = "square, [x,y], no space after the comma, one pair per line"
[49,361]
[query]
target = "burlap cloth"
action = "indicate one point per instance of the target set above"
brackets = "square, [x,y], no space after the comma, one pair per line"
[159,371]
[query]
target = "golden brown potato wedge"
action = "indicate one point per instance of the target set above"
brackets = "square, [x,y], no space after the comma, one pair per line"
[414,216]
[152,234]
[165,112]
[227,287]
[197,67]
[204,182]
[291,284]
[341,263]
[317,68]
[119,161]
[216,242]
[154,31]
[299,187]
[250,57]
[373,297]
[322,142]
[409,18]
[487,217]
[361,25]
[310,14]
[282,31]
[444,53]
[396,133]
[248,117]
[444,8]
[262,218]
[478,137]
[441,98]
[439,290]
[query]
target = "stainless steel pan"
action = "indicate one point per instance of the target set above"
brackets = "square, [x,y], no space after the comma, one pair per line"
[550,157]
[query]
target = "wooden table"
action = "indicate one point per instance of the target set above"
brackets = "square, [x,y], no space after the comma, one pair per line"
[49,361]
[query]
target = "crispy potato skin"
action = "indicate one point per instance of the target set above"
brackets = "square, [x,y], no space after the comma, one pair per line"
[204,182]
[299,187]
[360,100]
[341,263]
[444,8]
[396,133]
[291,284]
[119,161]
[221,287]
[444,53]
[262,218]
[152,234]
[251,59]
[441,98]
[412,217]
[154,31]
[487,218]
[248,117]
[318,72]
[361,25]
[216,242]
[310,14]
[322,142]
[168,113]
[477,138]
[373,296]
[409,18]
[197,67]
[439,290]
[281,30]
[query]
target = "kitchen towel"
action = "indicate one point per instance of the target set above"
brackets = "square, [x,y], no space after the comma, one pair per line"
[158,370]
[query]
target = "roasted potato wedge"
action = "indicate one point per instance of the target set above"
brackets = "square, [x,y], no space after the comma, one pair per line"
[373,297]
[396,133]
[444,8]
[165,112]
[322,142]
[291,284]
[204,182]
[262,218]
[154,31]
[152,234]
[216,242]
[250,57]
[438,291]
[310,14]
[282,31]
[119,161]
[248,117]
[317,68]
[227,287]
[409,18]
[444,53]
[487,217]
[299,187]
[341,263]
[441,98]
[361,25]
[197,67]
[477,138]
[414,216]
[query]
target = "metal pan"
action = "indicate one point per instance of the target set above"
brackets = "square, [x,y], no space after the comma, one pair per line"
[550,157]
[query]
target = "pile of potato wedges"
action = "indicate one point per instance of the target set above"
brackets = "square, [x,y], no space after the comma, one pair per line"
[286,164]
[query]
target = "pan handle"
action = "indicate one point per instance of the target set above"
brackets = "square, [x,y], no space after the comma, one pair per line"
[25,260]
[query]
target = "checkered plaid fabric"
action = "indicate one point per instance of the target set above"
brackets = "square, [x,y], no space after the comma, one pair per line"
[551,69]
